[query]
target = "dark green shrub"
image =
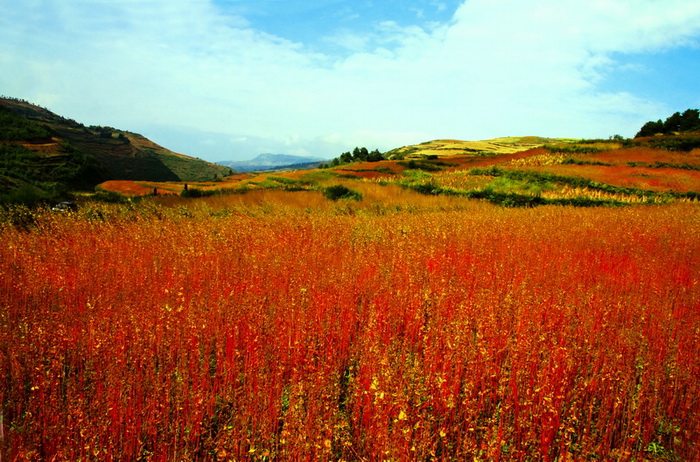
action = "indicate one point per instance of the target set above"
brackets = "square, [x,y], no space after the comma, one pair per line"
[15,128]
[109,197]
[194,192]
[426,166]
[676,144]
[576,149]
[570,161]
[431,188]
[340,191]
[27,194]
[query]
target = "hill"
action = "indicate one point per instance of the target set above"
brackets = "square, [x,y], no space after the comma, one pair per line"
[274,162]
[45,155]
[505,145]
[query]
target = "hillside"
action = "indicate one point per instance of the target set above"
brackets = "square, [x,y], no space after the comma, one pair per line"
[45,155]
[505,145]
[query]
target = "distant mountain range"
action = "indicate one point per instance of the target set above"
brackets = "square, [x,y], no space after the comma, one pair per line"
[45,155]
[274,162]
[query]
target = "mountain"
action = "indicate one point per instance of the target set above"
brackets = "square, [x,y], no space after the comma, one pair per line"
[273,162]
[44,155]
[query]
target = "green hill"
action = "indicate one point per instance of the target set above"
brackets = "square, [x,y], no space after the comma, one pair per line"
[44,156]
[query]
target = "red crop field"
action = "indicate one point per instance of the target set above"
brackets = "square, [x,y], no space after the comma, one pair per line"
[470,332]
[127,187]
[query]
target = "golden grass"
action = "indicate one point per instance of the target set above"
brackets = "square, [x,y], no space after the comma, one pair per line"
[536,160]
[449,147]
[568,192]
[252,198]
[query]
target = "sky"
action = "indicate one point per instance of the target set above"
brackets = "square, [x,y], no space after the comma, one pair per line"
[231,79]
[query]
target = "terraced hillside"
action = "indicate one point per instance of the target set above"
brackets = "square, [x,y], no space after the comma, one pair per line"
[45,155]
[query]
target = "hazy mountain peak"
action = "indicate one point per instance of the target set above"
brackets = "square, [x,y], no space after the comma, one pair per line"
[268,161]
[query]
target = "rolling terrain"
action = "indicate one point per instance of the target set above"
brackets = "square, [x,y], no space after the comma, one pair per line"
[46,155]
[524,171]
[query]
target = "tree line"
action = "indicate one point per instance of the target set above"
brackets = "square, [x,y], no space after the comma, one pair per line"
[688,121]
[357,155]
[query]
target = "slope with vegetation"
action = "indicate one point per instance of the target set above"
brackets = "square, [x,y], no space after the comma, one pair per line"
[505,145]
[45,156]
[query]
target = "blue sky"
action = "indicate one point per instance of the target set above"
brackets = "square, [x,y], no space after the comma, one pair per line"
[230,79]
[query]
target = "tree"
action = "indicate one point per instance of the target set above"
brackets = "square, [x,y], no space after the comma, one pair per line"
[375,156]
[690,120]
[650,129]
[673,123]
[360,154]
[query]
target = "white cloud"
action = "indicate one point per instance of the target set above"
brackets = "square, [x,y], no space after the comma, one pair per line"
[500,67]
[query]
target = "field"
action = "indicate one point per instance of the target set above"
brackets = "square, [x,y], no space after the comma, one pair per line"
[517,171]
[281,325]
